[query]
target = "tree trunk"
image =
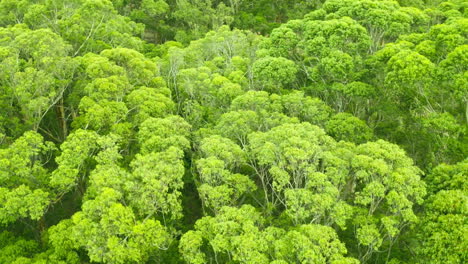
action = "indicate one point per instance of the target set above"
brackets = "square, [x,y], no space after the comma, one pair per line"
[60,110]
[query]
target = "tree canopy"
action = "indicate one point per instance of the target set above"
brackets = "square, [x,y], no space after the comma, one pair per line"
[210,131]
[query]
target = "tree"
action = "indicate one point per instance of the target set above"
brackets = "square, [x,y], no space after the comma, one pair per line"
[442,137]
[218,184]
[199,16]
[159,134]
[153,14]
[39,74]
[247,122]
[149,102]
[294,104]
[444,221]
[209,131]
[101,116]
[447,177]
[22,202]
[226,235]
[443,228]
[358,98]
[273,73]
[344,126]
[384,20]
[325,51]
[409,69]
[25,191]
[79,147]
[110,232]
[88,25]
[204,94]
[285,158]
[12,12]
[311,244]
[386,187]
[453,74]
[139,70]
[13,247]
[238,234]
[154,187]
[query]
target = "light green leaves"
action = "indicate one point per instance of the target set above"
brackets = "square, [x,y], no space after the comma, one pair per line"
[223,149]
[388,186]
[25,191]
[274,74]
[22,202]
[238,235]
[156,183]
[444,227]
[189,247]
[149,102]
[158,134]
[110,232]
[409,69]
[311,244]
[22,162]
[344,126]
[219,186]
[76,151]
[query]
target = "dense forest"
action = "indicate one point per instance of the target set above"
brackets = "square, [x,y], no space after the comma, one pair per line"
[211,131]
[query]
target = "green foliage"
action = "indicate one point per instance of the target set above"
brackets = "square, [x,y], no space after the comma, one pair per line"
[219,187]
[444,224]
[444,227]
[25,191]
[13,247]
[272,73]
[238,235]
[76,151]
[447,177]
[209,131]
[346,127]
[21,202]
[109,232]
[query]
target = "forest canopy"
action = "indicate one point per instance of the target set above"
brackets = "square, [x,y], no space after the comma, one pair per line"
[210,131]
